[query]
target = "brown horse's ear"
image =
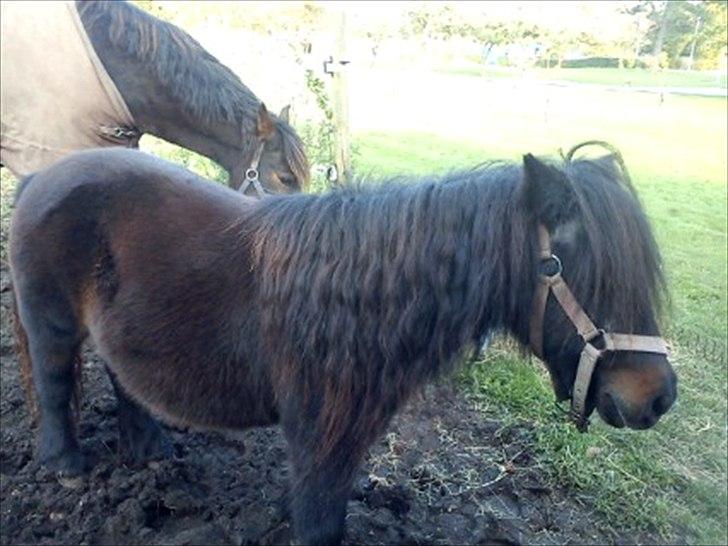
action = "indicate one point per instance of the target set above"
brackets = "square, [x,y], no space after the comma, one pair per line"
[285,113]
[266,128]
[546,192]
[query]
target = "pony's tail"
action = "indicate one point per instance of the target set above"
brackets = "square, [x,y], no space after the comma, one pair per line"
[26,371]
[24,363]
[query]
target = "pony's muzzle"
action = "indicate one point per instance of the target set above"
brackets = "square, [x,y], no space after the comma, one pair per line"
[637,403]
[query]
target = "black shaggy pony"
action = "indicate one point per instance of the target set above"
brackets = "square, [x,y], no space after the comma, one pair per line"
[322,313]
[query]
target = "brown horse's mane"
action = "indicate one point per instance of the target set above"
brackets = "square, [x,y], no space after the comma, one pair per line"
[178,60]
[204,86]
[376,284]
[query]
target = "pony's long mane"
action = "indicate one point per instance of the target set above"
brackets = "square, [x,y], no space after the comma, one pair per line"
[374,288]
[201,84]
[395,260]
[622,277]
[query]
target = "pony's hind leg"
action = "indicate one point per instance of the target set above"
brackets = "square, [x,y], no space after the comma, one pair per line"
[141,438]
[53,339]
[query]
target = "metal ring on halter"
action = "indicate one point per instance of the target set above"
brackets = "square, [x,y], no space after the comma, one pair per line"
[251,174]
[598,333]
[559,266]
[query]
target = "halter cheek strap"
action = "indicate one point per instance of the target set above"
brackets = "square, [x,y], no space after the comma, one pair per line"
[553,282]
[251,174]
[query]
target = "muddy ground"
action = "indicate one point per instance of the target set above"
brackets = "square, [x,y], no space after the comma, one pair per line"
[445,473]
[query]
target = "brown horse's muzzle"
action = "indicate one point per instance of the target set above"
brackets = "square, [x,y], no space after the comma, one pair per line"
[635,390]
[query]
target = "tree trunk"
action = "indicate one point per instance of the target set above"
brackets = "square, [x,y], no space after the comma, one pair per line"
[692,46]
[661,32]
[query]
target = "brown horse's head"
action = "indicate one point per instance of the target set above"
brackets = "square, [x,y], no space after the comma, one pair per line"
[598,240]
[273,159]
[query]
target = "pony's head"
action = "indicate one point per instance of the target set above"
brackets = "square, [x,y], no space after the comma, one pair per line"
[598,241]
[274,159]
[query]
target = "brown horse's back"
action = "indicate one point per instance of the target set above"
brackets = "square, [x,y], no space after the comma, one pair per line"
[144,258]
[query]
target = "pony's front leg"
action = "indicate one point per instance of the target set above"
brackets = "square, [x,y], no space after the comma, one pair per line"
[319,495]
[321,484]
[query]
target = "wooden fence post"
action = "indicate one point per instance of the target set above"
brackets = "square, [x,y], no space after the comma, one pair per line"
[342,158]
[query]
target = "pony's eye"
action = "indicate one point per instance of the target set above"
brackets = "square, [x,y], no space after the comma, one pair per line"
[288,181]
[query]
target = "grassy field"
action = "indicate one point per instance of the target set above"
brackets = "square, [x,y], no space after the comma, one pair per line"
[637,77]
[672,478]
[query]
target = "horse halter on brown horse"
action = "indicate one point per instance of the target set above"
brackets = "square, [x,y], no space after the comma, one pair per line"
[596,340]
[252,174]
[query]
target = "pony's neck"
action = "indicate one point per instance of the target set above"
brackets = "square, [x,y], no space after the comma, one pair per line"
[485,270]
[416,274]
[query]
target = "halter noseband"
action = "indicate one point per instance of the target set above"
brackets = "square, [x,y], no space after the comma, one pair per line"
[251,173]
[552,281]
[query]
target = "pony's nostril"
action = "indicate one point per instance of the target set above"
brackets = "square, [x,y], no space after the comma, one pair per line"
[662,403]
[647,421]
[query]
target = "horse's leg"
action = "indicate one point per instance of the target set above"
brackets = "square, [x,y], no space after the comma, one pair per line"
[141,438]
[53,339]
[320,489]
[318,506]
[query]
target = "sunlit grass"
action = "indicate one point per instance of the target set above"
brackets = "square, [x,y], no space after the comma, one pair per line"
[636,77]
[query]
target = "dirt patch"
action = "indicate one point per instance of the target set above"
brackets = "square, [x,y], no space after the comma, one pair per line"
[443,474]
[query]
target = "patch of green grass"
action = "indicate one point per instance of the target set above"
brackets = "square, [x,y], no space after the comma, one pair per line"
[7,195]
[635,77]
[647,481]
[671,479]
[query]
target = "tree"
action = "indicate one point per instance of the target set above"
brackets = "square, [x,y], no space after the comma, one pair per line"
[712,37]
[677,28]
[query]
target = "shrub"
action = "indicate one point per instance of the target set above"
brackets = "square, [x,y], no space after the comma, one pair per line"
[592,62]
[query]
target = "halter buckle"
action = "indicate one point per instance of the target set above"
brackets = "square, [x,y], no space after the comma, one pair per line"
[251,174]
[597,338]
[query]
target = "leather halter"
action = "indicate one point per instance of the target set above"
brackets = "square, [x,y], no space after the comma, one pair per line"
[251,174]
[552,281]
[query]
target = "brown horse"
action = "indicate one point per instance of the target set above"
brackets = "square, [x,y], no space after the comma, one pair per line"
[161,82]
[323,313]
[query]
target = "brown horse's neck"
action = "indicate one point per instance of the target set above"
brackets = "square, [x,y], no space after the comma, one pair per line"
[173,88]
[221,142]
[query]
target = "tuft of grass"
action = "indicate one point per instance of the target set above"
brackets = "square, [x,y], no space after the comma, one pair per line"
[7,195]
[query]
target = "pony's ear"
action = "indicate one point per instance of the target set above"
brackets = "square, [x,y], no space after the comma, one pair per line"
[285,113]
[266,128]
[546,193]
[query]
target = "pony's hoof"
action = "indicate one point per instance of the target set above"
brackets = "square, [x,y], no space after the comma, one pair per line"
[70,464]
[70,481]
[156,447]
